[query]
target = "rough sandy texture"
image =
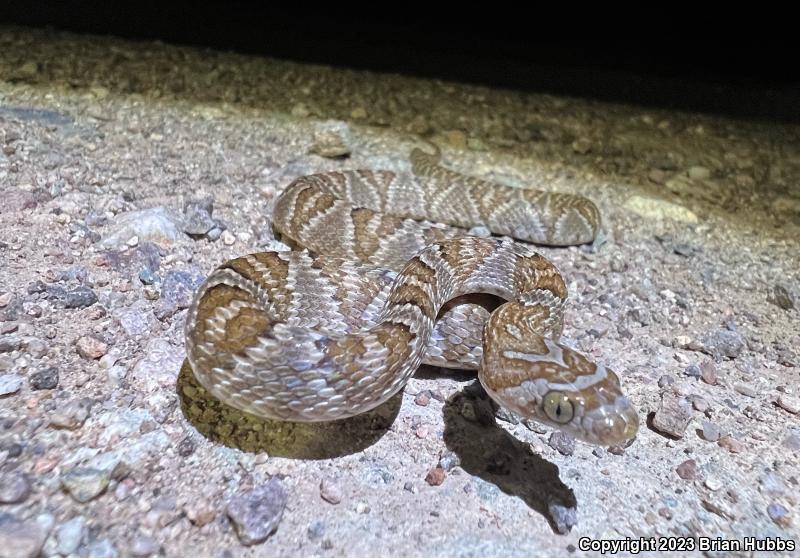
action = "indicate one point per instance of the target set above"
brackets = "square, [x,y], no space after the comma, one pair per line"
[105,451]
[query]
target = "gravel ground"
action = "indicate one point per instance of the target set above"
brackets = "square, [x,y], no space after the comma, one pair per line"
[128,171]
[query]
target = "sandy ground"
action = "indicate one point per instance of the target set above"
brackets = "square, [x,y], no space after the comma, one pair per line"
[106,450]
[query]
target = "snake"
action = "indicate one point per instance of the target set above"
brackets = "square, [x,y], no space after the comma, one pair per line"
[383,277]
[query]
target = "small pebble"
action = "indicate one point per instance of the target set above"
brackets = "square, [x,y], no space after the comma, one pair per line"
[779,515]
[36,348]
[200,512]
[80,297]
[693,371]
[673,415]
[699,403]
[731,444]
[10,383]
[710,431]
[665,381]
[20,539]
[228,238]
[330,491]
[14,488]
[44,379]
[85,483]
[789,404]
[330,144]
[562,442]
[724,343]
[687,470]
[9,343]
[71,415]
[147,277]
[435,476]
[256,513]
[90,347]
[782,297]
[745,389]
[143,545]
[101,549]
[792,441]
[699,173]
[69,535]
[423,398]
[316,530]
[713,483]
[708,372]
[197,218]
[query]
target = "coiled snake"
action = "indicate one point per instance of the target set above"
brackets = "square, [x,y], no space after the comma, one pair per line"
[389,281]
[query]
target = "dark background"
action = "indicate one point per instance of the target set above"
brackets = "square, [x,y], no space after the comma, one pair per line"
[752,71]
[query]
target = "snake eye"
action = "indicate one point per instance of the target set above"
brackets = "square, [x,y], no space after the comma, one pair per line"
[558,407]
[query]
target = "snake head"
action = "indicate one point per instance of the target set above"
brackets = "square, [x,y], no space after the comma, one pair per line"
[547,381]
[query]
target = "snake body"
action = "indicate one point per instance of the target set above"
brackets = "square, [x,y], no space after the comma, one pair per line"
[388,281]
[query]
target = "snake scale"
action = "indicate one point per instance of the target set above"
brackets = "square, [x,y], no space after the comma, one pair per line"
[388,280]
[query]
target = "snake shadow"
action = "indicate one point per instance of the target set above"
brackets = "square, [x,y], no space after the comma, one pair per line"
[487,451]
[223,424]
[484,449]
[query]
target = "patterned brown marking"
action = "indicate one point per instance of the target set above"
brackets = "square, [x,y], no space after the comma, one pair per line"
[581,365]
[306,207]
[412,294]
[278,268]
[243,329]
[350,345]
[397,338]
[421,271]
[365,242]
[539,273]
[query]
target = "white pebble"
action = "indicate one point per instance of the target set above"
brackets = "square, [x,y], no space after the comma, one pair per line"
[227,238]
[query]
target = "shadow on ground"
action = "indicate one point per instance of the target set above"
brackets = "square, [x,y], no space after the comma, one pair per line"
[484,449]
[489,452]
[225,425]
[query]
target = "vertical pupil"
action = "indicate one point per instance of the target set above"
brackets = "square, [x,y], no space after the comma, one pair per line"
[558,410]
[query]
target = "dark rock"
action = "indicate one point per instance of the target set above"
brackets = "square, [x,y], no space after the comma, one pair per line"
[37,287]
[44,379]
[256,513]
[79,297]
[9,343]
[147,277]
[563,518]
[177,291]
[687,470]
[693,371]
[562,442]
[724,343]
[665,381]
[197,218]
[782,297]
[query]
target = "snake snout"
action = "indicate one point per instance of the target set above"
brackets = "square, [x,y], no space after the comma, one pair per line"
[613,427]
